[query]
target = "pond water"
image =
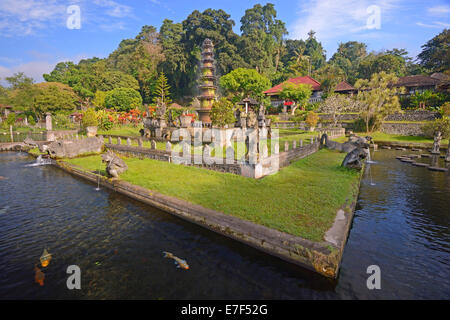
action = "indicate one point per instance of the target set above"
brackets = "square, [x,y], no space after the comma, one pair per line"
[401,224]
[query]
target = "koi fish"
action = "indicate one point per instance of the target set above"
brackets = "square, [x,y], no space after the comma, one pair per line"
[45,258]
[39,276]
[179,262]
[3,178]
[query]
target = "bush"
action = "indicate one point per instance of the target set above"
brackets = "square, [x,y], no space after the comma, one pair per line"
[311,119]
[274,110]
[123,99]
[222,112]
[89,118]
[31,120]
[11,119]
[61,121]
[360,126]
[445,109]
[442,125]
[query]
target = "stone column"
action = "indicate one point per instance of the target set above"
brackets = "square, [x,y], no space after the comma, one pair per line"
[140,142]
[48,121]
[119,141]
[286,146]
[168,146]
[128,142]
[110,140]
[153,145]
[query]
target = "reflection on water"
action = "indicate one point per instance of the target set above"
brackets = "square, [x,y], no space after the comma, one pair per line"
[401,224]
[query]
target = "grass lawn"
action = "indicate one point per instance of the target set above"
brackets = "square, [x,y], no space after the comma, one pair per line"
[124,130]
[380,136]
[301,199]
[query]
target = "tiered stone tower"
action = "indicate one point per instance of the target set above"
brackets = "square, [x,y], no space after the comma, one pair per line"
[206,83]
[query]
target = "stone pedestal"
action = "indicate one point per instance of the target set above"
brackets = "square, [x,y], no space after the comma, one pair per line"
[91,131]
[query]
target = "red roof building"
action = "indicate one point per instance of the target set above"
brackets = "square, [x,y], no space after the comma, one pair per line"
[276,101]
[305,80]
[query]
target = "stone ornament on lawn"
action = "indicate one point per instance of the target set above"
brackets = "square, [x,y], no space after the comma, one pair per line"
[436,143]
[114,165]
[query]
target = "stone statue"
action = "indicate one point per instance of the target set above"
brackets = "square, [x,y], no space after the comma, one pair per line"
[161,110]
[348,146]
[437,143]
[114,165]
[252,121]
[354,159]
[73,148]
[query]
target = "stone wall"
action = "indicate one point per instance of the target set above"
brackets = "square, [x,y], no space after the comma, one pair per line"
[414,115]
[407,129]
[410,115]
[287,157]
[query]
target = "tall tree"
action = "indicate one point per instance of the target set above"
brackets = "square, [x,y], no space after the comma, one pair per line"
[262,37]
[377,98]
[162,90]
[315,51]
[435,54]
[171,36]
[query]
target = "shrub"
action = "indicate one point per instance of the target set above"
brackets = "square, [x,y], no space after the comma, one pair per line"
[89,118]
[311,119]
[442,125]
[60,121]
[222,112]
[445,109]
[31,120]
[123,99]
[359,125]
[11,119]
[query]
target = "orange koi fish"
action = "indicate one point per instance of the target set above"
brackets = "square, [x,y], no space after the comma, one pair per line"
[179,262]
[39,276]
[45,258]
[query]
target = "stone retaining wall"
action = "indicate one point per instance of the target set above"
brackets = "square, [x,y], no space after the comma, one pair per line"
[406,129]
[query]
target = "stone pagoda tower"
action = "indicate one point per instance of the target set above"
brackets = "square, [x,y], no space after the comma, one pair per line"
[207,82]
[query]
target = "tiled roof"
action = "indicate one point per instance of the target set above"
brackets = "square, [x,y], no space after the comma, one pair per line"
[305,80]
[416,81]
[344,86]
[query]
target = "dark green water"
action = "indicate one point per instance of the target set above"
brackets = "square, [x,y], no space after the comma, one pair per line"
[401,224]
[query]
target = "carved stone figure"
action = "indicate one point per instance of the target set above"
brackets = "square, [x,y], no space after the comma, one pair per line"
[161,110]
[436,143]
[114,165]
[73,148]
[354,159]
[252,120]
[41,145]
[348,146]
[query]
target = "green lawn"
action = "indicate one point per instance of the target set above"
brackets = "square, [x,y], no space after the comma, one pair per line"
[301,199]
[381,136]
[125,130]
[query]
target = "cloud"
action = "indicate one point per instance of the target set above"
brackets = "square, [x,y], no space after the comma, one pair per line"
[334,18]
[439,11]
[35,69]
[24,17]
[436,24]
[115,9]
[28,17]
